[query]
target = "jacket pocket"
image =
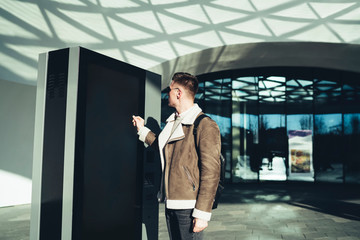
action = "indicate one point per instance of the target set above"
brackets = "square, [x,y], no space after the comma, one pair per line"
[187,172]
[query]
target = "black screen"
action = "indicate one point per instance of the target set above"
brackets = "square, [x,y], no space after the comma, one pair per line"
[108,166]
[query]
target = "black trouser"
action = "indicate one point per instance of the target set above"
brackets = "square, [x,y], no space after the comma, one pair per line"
[180,225]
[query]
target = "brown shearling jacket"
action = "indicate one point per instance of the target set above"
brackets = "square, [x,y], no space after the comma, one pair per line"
[189,181]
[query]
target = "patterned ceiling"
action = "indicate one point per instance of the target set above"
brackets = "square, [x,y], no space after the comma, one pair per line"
[148,32]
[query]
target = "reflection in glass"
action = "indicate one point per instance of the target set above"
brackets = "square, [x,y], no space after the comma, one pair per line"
[352,123]
[300,122]
[217,104]
[245,141]
[327,148]
[351,149]
[245,129]
[273,146]
[272,131]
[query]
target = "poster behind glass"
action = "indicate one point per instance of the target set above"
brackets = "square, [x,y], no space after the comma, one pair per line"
[300,155]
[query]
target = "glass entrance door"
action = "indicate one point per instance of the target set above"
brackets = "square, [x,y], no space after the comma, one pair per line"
[273,146]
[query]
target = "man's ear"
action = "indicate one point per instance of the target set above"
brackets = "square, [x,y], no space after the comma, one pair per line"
[179,94]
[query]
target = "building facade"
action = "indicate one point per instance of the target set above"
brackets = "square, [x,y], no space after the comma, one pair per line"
[285,123]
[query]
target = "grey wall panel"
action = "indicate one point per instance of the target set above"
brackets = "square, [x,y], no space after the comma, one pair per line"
[69,150]
[38,148]
[152,166]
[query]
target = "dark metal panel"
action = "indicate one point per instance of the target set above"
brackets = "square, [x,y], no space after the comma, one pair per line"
[53,148]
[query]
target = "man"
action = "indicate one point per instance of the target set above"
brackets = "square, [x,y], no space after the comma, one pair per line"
[190,175]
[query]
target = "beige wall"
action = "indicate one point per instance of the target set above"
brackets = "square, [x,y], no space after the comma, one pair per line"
[17,115]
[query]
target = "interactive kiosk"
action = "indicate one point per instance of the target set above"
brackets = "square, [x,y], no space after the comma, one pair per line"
[92,177]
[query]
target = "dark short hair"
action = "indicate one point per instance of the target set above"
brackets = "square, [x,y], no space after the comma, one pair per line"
[188,81]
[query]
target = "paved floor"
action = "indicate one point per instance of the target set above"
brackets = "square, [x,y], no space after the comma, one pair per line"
[267,211]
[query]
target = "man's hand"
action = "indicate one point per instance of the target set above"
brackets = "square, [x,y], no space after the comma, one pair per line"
[199,224]
[138,122]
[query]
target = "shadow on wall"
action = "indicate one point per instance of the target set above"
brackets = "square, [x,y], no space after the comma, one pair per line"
[336,56]
[143,33]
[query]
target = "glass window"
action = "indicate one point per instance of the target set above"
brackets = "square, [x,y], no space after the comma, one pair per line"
[352,143]
[328,147]
[217,104]
[328,127]
[246,161]
[351,110]
[273,146]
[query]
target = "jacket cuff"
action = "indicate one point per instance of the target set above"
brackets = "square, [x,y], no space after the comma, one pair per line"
[143,132]
[201,214]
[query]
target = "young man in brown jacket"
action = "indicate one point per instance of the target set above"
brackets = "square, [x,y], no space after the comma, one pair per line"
[190,176]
